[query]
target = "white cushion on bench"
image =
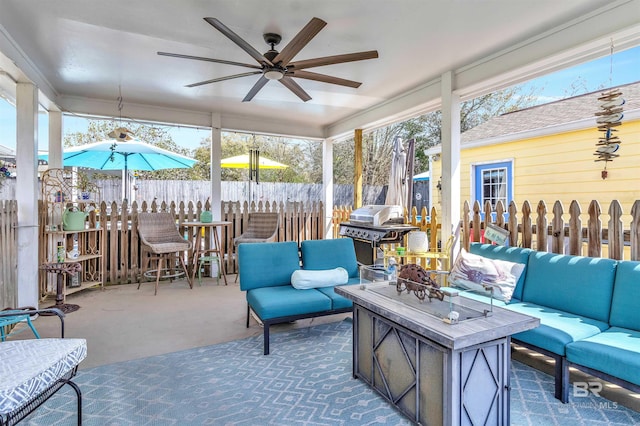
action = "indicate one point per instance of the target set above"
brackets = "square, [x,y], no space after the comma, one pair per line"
[304,279]
[29,367]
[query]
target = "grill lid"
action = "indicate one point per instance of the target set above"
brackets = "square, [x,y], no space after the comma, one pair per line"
[377,215]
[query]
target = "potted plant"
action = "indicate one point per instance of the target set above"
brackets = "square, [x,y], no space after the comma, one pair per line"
[85,186]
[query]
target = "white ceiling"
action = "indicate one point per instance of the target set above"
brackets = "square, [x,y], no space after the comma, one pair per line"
[79,52]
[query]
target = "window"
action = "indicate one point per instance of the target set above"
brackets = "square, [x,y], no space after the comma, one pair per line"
[493,183]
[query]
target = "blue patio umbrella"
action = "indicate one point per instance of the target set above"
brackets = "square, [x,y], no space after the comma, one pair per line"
[124,155]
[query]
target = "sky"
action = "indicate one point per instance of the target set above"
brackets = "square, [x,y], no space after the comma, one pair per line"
[609,71]
[589,77]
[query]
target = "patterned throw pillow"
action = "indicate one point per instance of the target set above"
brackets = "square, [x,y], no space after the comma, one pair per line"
[474,272]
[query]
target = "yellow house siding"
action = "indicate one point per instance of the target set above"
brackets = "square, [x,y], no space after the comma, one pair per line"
[559,167]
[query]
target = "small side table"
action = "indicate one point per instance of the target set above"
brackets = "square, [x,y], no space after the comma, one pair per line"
[198,228]
[60,269]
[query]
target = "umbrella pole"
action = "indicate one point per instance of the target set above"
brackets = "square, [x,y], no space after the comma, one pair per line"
[125,180]
[409,172]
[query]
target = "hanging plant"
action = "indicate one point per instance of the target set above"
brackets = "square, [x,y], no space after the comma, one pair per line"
[5,173]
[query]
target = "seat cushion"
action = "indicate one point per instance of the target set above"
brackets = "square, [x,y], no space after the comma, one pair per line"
[29,367]
[283,301]
[329,254]
[557,328]
[614,352]
[267,264]
[337,301]
[626,296]
[170,247]
[578,285]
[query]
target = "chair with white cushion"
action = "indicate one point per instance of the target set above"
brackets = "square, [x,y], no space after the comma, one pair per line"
[33,370]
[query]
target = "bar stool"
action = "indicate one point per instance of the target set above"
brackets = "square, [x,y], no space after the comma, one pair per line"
[208,260]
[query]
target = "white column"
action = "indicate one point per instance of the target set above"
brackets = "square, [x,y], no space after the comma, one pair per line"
[450,157]
[327,185]
[27,195]
[431,184]
[55,140]
[216,169]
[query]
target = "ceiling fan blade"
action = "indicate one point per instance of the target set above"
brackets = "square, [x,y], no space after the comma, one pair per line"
[295,88]
[256,88]
[200,58]
[335,59]
[324,78]
[238,40]
[230,77]
[301,39]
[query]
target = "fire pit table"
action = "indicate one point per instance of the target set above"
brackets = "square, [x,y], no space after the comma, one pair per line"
[434,370]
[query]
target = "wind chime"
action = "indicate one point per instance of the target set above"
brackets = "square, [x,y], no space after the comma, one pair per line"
[120,134]
[254,165]
[609,116]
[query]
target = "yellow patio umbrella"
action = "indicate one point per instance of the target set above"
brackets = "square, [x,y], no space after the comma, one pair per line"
[252,161]
[243,162]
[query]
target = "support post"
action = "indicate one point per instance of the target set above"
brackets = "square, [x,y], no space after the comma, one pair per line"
[215,169]
[450,156]
[55,140]
[27,196]
[357,167]
[327,186]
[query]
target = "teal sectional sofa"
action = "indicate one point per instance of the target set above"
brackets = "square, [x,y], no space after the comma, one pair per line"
[265,275]
[589,310]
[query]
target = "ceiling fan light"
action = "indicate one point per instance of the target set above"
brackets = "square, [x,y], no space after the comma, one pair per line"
[273,75]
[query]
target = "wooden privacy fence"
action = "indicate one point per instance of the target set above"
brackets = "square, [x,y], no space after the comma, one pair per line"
[192,190]
[562,231]
[121,260]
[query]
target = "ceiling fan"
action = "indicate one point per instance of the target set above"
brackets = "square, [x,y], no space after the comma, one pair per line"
[274,65]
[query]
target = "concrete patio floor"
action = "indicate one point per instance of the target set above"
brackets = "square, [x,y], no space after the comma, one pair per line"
[123,323]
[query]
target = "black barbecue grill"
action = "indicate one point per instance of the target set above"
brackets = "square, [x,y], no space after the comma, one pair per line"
[370,226]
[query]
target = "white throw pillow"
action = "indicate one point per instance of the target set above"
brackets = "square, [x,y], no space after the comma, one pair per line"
[471,271]
[303,279]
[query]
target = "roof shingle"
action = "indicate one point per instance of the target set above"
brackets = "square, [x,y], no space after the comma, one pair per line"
[552,114]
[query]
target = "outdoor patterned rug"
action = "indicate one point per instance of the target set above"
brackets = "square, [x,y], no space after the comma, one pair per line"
[305,381]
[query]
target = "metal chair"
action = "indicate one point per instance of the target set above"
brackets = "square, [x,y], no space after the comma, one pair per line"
[161,241]
[15,319]
[261,228]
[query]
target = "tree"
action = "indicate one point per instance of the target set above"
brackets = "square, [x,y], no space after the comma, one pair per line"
[426,130]
[297,155]
[304,157]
